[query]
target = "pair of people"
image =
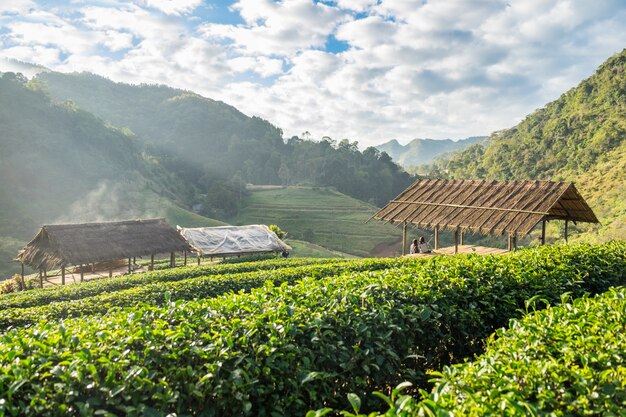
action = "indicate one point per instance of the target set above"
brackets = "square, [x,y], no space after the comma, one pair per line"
[419,246]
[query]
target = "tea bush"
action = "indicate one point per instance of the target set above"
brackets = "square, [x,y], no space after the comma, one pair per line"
[156,293]
[563,361]
[90,288]
[284,350]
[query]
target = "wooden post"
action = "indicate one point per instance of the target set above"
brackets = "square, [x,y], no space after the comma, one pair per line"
[63,275]
[198,259]
[543,232]
[462,233]
[173,259]
[185,255]
[82,273]
[436,237]
[129,270]
[456,240]
[509,244]
[152,262]
[110,273]
[22,271]
[40,278]
[514,242]
[403,238]
[45,276]
[566,223]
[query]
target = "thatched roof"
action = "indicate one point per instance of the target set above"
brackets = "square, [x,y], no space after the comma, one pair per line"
[75,244]
[233,240]
[488,207]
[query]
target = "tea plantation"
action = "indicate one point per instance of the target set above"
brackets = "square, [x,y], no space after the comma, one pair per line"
[283,337]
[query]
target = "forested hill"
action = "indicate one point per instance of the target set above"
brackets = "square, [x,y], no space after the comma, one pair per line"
[579,137]
[216,138]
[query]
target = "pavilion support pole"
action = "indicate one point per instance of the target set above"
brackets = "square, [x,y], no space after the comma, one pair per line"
[22,283]
[82,272]
[152,262]
[456,240]
[173,259]
[543,232]
[185,255]
[461,239]
[40,278]
[63,275]
[129,265]
[198,259]
[436,237]
[566,224]
[134,260]
[403,238]
[509,244]
[110,273]
[514,242]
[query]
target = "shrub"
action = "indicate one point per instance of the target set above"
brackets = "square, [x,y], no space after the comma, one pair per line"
[283,350]
[567,360]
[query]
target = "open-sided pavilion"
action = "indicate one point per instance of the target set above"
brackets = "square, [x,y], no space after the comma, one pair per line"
[62,245]
[489,207]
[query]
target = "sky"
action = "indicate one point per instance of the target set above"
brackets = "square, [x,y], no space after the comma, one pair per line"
[364,70]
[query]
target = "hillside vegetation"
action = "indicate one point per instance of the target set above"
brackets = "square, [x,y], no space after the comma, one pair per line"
[318,215]
[225,146]
[580,137]
[297,338]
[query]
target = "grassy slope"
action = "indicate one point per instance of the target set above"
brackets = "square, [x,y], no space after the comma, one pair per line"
[318,215]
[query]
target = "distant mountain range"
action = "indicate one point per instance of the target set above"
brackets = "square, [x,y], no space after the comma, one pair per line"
[424,151]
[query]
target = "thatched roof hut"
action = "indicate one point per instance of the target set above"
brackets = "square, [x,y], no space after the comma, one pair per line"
[233,240]
[510,208]
[61,245]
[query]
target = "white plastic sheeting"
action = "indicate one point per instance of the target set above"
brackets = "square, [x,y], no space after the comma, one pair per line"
[232,240]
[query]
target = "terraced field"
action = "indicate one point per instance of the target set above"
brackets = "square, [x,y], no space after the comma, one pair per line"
[321,216]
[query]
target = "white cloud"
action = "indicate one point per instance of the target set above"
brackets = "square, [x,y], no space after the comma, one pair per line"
[273,29]
[266,67]
[16,6]
[172,7]
[403,69]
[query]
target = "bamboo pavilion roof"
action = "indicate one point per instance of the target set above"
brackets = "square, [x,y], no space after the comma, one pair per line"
[487,207]
[75,244]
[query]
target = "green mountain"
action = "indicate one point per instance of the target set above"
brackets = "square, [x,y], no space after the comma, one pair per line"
[213,137]
[580,137]
[62,164]
[424,151]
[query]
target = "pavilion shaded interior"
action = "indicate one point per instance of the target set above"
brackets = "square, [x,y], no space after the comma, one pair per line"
[488,207]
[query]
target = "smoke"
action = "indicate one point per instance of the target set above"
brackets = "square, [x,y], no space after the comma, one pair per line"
[111,201]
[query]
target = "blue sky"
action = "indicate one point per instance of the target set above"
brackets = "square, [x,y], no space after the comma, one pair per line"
[366,70]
